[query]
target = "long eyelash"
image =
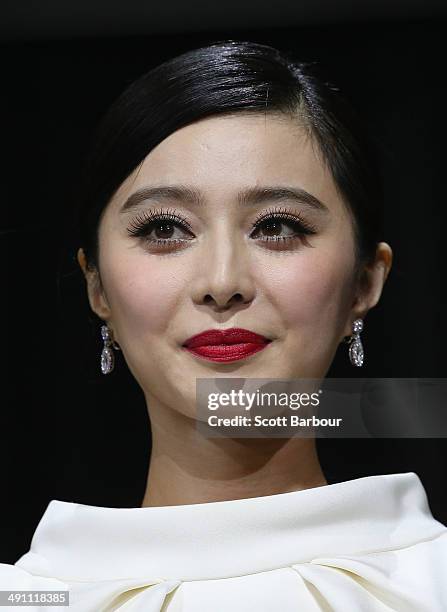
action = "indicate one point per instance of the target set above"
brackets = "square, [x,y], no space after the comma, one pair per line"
[286,215]
[142,222]
[139,225]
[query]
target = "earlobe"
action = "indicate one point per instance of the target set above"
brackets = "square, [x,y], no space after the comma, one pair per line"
[371,284]
[96,297]
[374,285]
[369,291]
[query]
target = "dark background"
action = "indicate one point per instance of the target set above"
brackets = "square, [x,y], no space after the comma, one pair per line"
[68,432]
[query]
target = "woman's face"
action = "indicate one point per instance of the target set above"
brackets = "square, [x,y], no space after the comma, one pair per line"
[220,271]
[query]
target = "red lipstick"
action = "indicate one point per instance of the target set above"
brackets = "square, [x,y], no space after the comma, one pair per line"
[226,344]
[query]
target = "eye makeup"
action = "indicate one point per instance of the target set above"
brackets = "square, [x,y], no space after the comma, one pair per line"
[162,222]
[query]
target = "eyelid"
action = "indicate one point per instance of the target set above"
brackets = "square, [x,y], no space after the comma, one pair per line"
[175,215]
[288,214]
[145,218]
[140,223]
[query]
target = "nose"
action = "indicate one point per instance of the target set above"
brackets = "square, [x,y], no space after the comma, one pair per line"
[224,278]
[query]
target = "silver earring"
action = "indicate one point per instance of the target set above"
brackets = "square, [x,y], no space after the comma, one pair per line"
[107,357]
[356,351]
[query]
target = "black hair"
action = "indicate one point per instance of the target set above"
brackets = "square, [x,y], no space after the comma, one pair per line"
[222,78]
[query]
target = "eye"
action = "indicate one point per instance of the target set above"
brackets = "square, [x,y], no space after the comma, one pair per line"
[168,229]
[272,224]
[159,228]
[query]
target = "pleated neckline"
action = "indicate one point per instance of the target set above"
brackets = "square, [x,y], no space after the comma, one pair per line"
[231,538]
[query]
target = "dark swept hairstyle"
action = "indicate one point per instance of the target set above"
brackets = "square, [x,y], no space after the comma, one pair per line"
[229,77]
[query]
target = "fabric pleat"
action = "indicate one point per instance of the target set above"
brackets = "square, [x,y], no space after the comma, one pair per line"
[364,545]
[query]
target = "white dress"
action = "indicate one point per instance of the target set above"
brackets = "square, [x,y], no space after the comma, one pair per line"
[363,545]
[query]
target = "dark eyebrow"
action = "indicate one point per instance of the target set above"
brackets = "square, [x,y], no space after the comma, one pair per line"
[248,197]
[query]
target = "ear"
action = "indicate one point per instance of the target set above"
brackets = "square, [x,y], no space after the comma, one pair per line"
[96,296]
[370,285]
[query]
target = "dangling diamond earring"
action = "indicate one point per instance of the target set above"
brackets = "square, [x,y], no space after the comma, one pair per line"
[107,357]
[356,352]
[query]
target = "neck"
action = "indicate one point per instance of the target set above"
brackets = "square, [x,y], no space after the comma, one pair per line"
[188,468]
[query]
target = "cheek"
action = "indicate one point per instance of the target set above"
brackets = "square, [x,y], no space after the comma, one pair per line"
[314,290]
[135,288]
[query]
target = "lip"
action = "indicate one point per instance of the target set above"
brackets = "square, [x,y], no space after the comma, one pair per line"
[226,344]
[233,335]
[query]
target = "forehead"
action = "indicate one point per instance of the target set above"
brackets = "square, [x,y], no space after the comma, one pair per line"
[221,155]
